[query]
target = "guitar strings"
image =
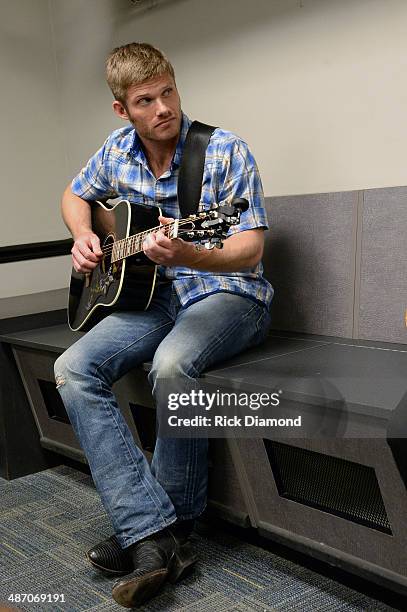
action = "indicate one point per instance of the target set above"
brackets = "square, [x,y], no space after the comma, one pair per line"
[108,250]
[166,229]
[135,236]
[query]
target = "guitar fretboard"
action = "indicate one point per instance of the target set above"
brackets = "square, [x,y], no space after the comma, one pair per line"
[134,244]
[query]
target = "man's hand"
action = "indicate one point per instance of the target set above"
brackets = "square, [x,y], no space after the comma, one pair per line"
[86,252]
[164,251]
[240,251]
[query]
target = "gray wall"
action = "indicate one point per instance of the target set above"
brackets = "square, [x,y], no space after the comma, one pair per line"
[32,156]
[382,279]
[316,87]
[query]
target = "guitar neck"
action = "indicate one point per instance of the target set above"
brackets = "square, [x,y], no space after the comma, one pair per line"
[210,226]
[126,247]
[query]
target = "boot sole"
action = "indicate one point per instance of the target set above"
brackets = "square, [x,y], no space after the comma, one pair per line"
[139,590]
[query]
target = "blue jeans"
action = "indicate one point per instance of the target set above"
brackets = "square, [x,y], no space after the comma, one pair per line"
[182,343]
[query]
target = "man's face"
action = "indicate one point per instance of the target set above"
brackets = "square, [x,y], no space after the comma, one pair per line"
[154,108]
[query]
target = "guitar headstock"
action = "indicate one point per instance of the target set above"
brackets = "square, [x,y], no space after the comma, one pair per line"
[209,228]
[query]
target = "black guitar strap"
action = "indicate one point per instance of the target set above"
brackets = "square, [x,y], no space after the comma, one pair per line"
[192,167]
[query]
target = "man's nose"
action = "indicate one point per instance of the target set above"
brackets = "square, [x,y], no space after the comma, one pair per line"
[161,107]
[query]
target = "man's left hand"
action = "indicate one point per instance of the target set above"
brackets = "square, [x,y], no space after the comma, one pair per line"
[165,251]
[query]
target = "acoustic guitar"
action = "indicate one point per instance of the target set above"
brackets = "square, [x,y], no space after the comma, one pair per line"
[124,268]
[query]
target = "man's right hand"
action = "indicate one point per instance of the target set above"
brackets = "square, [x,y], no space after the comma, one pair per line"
[86,252]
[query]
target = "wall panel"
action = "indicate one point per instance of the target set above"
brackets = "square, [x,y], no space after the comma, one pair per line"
[383,271]
[310,261]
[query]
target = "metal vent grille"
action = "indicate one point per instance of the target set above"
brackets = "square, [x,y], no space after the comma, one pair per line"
[343,488]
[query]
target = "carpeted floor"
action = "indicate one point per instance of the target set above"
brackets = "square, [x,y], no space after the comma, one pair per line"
[48,520]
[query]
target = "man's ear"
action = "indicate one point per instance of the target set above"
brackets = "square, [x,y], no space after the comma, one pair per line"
[120,110]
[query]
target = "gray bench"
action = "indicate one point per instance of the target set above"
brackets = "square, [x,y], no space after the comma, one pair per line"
[291,490]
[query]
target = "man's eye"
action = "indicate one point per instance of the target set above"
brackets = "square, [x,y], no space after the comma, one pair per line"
[167,92]
[144,101]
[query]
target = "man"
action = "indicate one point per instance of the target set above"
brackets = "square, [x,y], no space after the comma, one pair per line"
[208,306]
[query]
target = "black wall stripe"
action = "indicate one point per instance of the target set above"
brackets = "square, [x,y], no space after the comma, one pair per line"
[35,250]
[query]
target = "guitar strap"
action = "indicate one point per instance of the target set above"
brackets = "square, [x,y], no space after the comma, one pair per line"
[192,167]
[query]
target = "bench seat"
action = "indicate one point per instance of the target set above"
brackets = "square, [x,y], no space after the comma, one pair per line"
[337,497]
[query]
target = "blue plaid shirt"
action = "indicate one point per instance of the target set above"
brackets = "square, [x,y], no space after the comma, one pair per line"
[120,169]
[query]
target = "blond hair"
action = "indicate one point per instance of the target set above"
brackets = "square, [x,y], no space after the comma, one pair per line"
[132,64]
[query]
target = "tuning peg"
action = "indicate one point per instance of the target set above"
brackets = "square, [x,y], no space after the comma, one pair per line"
[241,203]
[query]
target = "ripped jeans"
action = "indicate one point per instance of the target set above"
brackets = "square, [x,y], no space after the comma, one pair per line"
[140,500]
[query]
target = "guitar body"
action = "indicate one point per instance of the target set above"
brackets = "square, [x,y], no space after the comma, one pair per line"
[128,283]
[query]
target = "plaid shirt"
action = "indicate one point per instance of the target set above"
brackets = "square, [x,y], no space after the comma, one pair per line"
[120,169]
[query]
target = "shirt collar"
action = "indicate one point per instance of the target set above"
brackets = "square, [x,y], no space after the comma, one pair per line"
[136,150]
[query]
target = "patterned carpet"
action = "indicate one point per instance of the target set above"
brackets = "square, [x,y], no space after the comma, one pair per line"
[48,520]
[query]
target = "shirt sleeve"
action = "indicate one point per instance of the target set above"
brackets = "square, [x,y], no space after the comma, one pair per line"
[239,178]
[93,180]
